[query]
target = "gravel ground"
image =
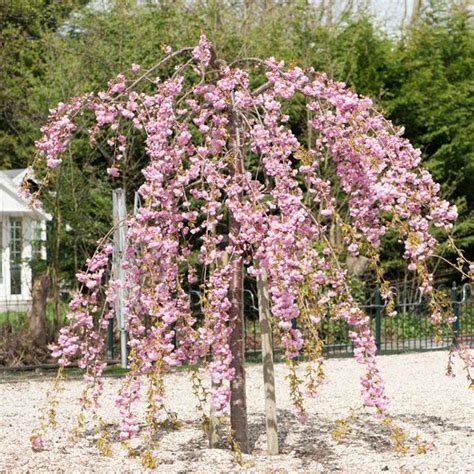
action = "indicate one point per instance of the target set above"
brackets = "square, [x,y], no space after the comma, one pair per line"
[423,401]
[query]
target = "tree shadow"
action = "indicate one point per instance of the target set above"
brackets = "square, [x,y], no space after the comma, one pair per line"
[310,442]
[314,433]
[432,423]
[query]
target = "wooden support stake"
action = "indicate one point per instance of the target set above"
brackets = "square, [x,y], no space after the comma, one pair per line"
[213,434]
[267,357]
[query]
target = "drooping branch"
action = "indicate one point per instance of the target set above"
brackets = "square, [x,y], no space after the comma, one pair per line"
[201,205]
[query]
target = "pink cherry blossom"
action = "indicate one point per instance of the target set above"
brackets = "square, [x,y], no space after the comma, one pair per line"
[282,206]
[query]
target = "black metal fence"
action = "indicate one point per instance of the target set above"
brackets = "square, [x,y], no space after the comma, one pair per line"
[409,330]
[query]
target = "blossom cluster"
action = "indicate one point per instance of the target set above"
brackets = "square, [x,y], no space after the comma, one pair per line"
[195,137]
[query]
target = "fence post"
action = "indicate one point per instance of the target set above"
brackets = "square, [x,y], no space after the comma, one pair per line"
[120,214]
[378,318]
[110,339]
[455,305]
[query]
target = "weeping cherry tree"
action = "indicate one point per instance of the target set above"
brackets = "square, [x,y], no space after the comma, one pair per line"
[227,176]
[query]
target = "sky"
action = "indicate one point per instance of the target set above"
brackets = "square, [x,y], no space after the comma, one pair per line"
[390,14]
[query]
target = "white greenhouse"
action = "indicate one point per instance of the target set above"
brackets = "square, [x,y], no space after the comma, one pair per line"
[22,237]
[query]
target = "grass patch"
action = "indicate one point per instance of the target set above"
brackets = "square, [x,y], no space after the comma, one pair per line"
[21,318]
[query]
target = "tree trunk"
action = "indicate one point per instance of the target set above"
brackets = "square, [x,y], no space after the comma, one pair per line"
[41,286]
[238,402]
[415,14]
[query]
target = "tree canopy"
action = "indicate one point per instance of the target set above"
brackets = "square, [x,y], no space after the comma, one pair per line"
[200,123]
[52,50]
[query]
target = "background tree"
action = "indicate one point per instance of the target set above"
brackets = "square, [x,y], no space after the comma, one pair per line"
[25,31]
[429,91]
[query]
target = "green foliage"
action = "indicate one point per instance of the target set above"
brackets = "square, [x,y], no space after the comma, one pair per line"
[25,29]
[430,93]
[423,79]
[22,318]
